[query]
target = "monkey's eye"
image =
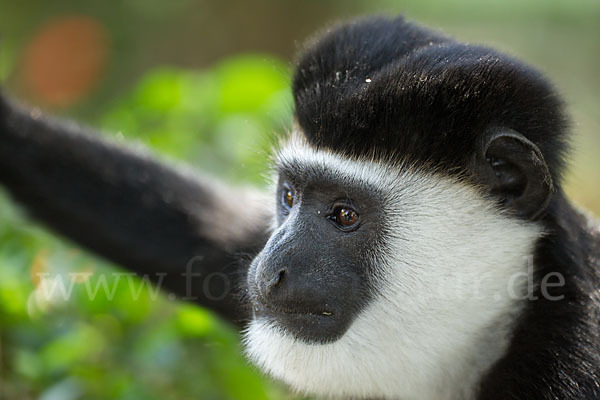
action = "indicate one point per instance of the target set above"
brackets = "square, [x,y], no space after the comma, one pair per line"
[345,217]
[288,197]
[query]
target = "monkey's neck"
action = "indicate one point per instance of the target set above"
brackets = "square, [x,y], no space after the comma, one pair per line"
[545,341]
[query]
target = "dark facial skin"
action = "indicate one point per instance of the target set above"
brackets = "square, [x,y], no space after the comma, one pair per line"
[311,279]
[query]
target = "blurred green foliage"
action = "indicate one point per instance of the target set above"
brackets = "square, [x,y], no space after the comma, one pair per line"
[223,120]
[220,118]
[130,344]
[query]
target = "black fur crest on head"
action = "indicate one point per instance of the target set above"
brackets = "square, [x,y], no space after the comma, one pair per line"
[391,87]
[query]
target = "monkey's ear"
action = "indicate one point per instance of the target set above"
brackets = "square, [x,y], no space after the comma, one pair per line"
[514,170]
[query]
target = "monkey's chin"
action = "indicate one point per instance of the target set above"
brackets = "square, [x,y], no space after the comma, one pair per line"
[278,352]
[309,368]
[309,327]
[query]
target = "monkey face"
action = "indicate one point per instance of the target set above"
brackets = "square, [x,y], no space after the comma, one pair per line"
[385,261]
[312,277]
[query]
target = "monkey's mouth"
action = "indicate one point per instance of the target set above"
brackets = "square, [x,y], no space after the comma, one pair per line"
[260,302]
[311,325]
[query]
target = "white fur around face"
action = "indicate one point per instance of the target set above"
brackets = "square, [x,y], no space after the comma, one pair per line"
[451,280]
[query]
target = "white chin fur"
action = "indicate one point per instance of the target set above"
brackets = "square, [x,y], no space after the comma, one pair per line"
[451,283]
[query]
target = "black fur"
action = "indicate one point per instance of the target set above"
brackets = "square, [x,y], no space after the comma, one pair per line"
[378,87]
[129,208]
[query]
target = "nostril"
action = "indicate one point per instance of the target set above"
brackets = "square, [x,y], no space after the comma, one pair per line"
[281,276]
[276,280]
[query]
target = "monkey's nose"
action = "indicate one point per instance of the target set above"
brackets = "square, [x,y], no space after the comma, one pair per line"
[270,281]
[290,291]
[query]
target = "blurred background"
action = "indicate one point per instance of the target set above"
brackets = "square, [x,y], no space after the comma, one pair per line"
[206,82]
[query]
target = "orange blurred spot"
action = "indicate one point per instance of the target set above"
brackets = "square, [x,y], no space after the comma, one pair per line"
[39,266]
[84,274]
[65,60]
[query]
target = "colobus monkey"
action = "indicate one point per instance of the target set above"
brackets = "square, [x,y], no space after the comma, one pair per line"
[419,244]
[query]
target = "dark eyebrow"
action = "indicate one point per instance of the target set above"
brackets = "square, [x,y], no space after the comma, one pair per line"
[285,168]
[302,173]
